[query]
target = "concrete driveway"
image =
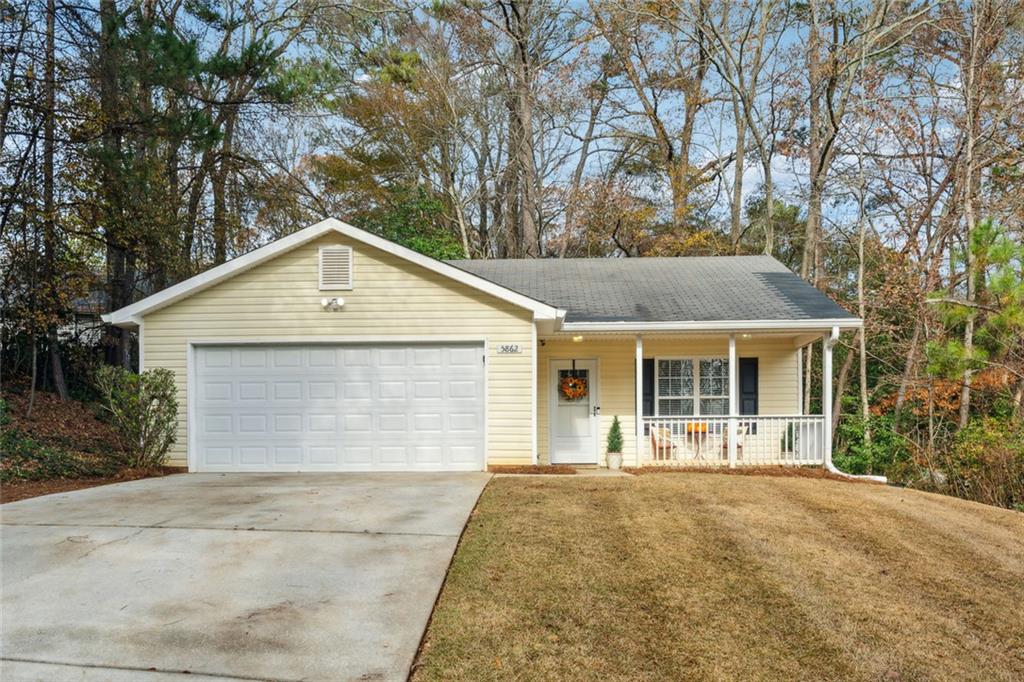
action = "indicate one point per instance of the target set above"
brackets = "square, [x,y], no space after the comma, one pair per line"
[230,576]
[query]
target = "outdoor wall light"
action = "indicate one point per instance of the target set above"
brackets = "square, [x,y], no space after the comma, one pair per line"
[332,304]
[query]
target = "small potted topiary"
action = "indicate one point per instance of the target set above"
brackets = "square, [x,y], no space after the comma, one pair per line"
[615,445]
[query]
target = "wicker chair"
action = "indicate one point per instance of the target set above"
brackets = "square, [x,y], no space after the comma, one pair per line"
[662,446]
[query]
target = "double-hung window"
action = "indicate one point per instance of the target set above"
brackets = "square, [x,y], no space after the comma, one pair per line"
[687,387]
[714,386]
[675,387]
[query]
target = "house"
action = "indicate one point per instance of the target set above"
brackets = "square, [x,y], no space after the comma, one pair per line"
[333,349]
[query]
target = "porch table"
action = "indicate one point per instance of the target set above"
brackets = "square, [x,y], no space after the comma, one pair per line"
[698,433]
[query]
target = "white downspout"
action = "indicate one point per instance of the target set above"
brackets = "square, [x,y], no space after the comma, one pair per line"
[828,343]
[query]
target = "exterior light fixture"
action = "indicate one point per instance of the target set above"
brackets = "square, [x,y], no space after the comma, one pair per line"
[332,305]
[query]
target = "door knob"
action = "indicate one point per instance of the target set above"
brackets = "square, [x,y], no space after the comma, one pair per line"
[597,410]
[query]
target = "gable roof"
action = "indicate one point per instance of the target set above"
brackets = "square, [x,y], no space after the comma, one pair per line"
[652,293]
[131,315]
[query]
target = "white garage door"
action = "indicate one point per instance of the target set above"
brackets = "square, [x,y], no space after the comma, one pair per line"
[339,408]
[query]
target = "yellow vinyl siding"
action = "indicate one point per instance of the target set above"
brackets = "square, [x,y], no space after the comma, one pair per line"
[391,297]
[778,391]
[616,357]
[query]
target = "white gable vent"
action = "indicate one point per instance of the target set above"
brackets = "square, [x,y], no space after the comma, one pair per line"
[336,267]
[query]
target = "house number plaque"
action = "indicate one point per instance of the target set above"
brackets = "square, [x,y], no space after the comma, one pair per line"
[507,348]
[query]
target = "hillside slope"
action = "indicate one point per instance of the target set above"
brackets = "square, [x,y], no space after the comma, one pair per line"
[705,576]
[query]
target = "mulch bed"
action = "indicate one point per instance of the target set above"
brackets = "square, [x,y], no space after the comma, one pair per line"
[541,469]
[22,490]
[70,424]
[780,471]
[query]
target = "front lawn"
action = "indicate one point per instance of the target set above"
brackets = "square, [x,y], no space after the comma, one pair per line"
[704,576]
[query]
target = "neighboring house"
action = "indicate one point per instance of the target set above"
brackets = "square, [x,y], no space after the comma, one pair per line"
[333,349]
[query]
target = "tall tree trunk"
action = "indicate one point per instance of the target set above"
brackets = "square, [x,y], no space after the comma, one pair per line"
[862,306]
[769,207]
[736,205]
[119,272]
[844,375]
[814,79]
[219,181]
[581,165]
[49,206]
[971,109]
[521,134]
[32,386]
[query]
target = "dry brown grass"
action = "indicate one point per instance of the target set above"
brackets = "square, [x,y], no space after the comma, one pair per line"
[536,469]
[702,576]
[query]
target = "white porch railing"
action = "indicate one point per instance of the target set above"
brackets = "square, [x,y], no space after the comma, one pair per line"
[761,440]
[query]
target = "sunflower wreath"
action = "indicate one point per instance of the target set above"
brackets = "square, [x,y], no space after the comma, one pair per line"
[573,388]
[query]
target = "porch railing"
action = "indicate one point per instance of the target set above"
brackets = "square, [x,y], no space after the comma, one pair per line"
[761,440]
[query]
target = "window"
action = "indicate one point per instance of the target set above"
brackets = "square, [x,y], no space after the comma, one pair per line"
[335,267]
[676,382]
[714,386]
[675,387]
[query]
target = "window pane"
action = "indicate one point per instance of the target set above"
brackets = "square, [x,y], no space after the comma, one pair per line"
[713,406]
[714,377]
[675,378]
[670,407]
[675,407]
[717,367]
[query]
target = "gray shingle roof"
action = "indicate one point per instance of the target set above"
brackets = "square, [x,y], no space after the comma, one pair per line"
[704,289]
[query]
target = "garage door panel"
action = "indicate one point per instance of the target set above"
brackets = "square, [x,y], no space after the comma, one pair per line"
[337,408]
[249,358]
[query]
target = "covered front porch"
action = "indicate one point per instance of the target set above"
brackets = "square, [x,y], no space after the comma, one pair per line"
[695,399]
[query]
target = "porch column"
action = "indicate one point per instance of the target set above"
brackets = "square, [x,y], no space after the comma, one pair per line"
[733,407]
[827,342]
[639,416]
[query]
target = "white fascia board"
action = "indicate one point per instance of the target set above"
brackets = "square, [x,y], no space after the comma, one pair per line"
[713,326]
[541,311]
[130,316]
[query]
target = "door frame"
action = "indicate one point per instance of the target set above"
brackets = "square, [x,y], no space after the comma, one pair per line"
[595,421]
[191,370]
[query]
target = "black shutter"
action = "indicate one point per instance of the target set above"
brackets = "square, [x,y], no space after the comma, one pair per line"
[647,381]
[748,385]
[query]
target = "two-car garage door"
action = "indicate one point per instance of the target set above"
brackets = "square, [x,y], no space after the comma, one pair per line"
[338,407]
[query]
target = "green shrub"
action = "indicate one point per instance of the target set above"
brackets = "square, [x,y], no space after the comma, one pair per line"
[615,436]
[26,459]
[143,410]
[986,462]
[888,452]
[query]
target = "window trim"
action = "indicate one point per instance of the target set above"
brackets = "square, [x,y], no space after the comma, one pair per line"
[701,396]
[351,267]
[657,385]
[696,395]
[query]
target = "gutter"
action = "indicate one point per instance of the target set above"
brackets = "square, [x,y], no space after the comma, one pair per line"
[830,343]
[715,325]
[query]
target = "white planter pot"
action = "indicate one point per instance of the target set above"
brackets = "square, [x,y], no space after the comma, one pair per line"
[615,460]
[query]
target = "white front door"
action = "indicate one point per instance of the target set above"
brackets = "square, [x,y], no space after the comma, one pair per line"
[574,410]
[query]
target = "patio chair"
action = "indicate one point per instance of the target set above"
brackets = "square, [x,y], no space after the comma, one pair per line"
[741,433]
[662,446]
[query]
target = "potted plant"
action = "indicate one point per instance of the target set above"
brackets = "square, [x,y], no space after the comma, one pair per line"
[615,445]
